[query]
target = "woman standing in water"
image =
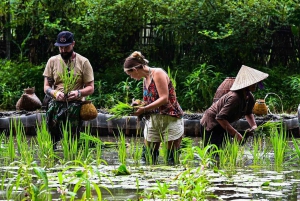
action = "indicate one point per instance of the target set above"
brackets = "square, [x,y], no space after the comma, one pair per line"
[165,114]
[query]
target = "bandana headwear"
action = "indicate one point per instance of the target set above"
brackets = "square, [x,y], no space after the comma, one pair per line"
[246,77]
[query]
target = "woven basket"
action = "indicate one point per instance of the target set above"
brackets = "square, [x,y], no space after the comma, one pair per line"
[224,88]
[260,107]
[88,111]
[29,101]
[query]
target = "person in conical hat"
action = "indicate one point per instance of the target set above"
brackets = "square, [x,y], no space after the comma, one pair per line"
[238,102]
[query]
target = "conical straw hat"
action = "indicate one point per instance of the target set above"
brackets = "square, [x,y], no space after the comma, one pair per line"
[246,77]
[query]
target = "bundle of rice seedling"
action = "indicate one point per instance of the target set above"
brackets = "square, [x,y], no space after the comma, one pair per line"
[120,110]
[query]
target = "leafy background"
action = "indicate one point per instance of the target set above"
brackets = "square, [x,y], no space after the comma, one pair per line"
[199,42]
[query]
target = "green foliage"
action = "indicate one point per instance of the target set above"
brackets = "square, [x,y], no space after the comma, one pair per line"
[15,77]
[199,87]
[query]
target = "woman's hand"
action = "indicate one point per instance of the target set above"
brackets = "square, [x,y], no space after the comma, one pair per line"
[139,111]
[238,136]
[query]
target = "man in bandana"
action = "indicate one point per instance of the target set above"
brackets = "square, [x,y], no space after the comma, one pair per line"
[65,108]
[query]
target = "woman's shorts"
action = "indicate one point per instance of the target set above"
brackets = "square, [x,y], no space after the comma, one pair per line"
[160,128]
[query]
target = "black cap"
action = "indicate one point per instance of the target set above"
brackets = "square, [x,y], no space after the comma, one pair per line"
[64,38]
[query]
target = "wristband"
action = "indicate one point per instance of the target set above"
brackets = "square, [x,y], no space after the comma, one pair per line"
[55,93]
[48,91]
[79,94]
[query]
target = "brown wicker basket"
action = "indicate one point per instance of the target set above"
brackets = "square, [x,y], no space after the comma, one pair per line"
[260,107]
[29,101]
[224,88]
[88,111]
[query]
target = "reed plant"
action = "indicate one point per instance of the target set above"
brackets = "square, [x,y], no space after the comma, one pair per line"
[45,153]
[278,139]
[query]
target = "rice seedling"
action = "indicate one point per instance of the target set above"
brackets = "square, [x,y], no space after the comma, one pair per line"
[94,144]
[45,145]
[122,152]
[164,148]
[22,180]
[11,145]
[229,154]
[296,150]
[162,190]
[278,140]
[69,143]
[68,77]
[83,178]
[257,151]
[25,150]
[193,184]
[206,154]
[120,110]
[136,149]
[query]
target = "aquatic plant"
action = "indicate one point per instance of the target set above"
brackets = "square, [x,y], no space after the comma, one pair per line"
[121,170]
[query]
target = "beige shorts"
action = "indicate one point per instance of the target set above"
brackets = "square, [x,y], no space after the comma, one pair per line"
[161,127]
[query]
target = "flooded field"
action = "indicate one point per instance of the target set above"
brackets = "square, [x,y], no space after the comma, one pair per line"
[108,168]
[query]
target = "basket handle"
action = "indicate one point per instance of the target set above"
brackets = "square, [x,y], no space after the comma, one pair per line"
[279,99]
